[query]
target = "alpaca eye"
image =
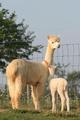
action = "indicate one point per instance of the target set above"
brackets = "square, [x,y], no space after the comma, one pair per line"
[57,40]
[52,42]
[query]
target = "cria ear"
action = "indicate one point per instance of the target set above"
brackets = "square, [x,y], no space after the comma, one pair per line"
[55,67]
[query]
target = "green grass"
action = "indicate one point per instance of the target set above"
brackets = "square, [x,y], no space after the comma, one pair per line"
[32,115]
[27,112]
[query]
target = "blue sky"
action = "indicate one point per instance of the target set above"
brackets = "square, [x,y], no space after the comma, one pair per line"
[44,17]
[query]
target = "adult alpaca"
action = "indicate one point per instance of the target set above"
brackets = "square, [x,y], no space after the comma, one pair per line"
[59,85]
[21,72]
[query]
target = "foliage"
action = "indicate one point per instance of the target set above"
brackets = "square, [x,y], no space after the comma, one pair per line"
[73,76]
[74,83]
[15,39]
[60,70]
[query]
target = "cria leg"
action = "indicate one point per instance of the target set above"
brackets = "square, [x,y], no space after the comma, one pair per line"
[67,101]
[53,102]
[62,97]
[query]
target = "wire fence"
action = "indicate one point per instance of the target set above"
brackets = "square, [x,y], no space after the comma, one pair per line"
[69,54]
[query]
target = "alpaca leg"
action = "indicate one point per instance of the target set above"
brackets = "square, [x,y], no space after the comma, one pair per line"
[67,101]
[11,87]
[17,96]
[35,98]
[13,102]
[37,92]
[18,90]
[40,92]
[53,102]
[61,93]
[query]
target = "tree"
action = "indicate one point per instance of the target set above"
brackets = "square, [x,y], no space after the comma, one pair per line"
[15,39]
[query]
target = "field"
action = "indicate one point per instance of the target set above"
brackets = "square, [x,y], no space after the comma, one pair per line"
[32,115]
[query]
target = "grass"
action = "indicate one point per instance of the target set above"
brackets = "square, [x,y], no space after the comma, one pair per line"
[6,113]
[10,114]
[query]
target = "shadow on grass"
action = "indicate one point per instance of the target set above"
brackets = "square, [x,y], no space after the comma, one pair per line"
[25,111]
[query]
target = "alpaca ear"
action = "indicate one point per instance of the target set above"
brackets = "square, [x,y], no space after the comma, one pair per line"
[48,37]
[59,35]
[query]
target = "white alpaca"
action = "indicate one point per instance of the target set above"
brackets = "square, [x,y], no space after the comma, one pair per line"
[21,72]
[59,85]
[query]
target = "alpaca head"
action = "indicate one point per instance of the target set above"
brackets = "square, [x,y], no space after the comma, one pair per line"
[54,41]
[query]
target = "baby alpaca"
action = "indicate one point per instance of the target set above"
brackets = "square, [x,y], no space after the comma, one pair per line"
[59,85]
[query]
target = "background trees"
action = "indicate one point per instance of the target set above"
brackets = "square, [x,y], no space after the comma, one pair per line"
[15,39]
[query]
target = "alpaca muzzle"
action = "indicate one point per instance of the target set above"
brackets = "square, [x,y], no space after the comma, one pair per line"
[59,46]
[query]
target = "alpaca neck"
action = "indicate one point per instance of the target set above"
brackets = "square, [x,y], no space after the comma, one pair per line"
[49,55]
